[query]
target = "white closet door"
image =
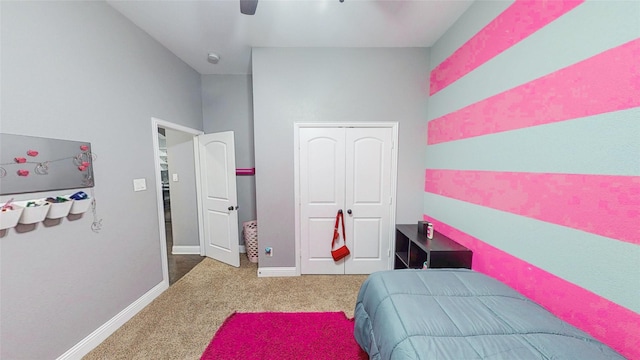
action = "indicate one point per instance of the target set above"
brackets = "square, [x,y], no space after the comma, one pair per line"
[368,198]
[322,191]
[348,168]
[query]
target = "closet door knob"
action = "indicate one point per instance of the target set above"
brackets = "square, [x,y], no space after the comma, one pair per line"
[349,211]
[230,208]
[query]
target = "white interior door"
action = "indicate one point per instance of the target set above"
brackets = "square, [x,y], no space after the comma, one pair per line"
[368,198]
[322,166]
[218,197]
[348,169]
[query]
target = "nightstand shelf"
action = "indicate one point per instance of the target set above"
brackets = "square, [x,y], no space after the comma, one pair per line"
[413,249]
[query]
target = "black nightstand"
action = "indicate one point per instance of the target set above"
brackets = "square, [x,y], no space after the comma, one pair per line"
[413,249]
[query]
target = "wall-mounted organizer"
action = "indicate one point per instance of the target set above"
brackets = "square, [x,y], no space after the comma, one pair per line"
[33,213]
[59,210]
[9,217]
[245,171]
[80,206]
[29,212]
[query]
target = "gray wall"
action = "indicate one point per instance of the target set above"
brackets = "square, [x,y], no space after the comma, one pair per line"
[81,71]
[227,105]
[333,85]
[184,209]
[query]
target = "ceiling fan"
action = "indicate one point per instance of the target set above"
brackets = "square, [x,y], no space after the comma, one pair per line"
[248,7]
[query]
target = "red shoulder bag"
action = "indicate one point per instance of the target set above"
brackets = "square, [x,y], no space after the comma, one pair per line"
[342,251]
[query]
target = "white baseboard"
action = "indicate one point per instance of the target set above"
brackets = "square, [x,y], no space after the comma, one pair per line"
[100,334]
[276,271]
[195,250]
[186,250]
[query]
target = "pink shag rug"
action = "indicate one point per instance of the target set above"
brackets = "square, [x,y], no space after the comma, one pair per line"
[285,336]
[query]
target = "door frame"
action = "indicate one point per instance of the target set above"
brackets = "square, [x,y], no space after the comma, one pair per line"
[296,188]
[155,125]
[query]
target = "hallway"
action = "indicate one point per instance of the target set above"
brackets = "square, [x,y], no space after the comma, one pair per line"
[179,265]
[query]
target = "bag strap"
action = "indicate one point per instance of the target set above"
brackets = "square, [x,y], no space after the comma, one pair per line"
[339,218]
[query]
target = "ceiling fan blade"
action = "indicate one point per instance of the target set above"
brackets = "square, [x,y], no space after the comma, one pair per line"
[248,7]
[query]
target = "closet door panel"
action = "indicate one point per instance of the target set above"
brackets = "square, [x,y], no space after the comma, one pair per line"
[319,236]
[322,189]
[368,195]
[367,162]
[363,230]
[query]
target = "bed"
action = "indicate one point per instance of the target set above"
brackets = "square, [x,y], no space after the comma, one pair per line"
[461,314]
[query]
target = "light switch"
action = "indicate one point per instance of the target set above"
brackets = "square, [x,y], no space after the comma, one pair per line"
[139,184]
[175,177]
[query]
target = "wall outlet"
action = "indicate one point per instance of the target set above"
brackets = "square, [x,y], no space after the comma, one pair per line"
[268,251]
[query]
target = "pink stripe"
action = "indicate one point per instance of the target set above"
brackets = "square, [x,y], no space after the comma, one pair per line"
[248,171]
[612,324]
[606,82]
[606,205]
[521,19]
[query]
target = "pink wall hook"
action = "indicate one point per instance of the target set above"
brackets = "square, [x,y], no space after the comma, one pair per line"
[20,160]
[32,153]
[23,172]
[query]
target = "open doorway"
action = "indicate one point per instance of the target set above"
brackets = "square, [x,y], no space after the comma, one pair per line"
[177,198]
[184,255]
[200,199]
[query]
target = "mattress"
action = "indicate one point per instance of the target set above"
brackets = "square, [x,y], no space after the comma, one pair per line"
[461,314]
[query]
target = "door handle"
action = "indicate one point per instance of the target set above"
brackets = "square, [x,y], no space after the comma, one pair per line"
[230,208]
[349,211]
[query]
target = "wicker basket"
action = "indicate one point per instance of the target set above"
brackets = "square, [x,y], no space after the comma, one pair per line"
[250,230]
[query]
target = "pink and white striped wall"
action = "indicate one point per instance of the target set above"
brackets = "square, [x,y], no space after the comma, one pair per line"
[516,23]
[601,210]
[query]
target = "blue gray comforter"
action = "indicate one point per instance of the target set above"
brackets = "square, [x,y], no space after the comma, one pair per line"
[461,314]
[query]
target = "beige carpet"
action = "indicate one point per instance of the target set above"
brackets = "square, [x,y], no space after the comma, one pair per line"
[180,323]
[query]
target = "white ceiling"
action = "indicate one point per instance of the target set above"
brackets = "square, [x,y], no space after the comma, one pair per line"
[192,29]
